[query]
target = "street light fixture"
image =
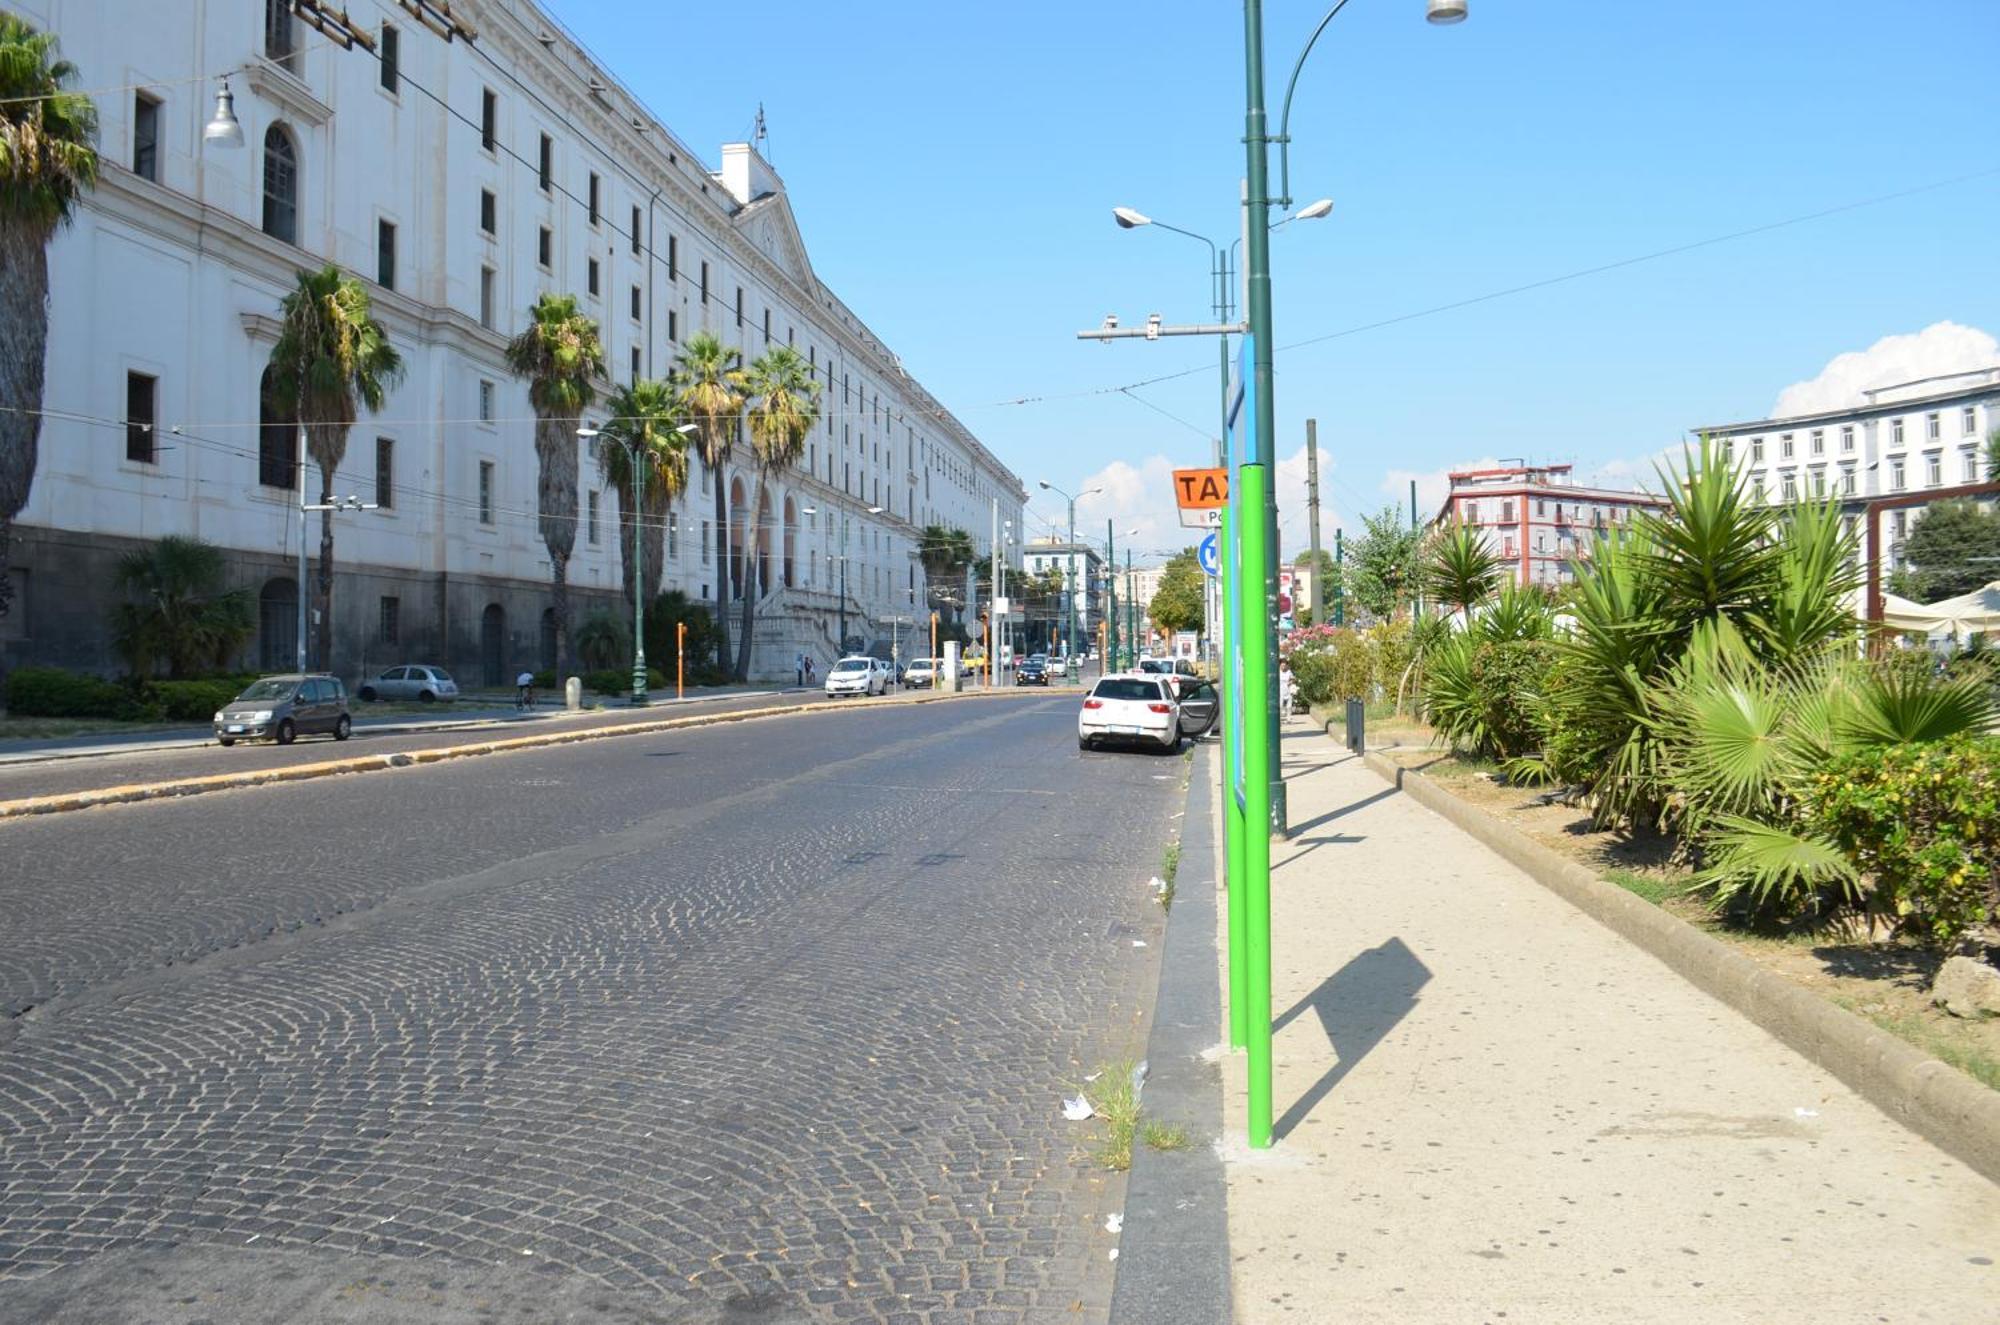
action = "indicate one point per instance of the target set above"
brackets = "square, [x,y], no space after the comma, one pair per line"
[1130,219]
[224,130]
[589,432]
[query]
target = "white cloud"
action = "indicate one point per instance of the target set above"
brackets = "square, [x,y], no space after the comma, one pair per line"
[1939,349]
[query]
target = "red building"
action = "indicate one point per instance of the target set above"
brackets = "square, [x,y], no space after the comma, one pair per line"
[1537,518]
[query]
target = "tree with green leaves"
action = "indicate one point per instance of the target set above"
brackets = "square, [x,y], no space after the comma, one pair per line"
[1177,603]
[644,417]
[944,551]
[1953,548]
[185,618]
[331,355]
[708,382]
[1382,564]
[561,355]
[784,406]
[48,159]
[1459,570]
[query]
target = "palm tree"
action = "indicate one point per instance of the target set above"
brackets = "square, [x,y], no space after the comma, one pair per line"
[47,160]
[943,550]
[331,353]
[185,618]
[785,397]
[708,383]
[560,355]
[1459,570]
[644,418]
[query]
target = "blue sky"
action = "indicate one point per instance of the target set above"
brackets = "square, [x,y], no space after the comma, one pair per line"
[954,166]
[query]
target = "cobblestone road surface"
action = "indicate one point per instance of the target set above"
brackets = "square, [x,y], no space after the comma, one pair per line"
[751,1023]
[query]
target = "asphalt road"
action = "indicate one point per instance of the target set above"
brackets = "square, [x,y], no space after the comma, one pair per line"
[751,1023]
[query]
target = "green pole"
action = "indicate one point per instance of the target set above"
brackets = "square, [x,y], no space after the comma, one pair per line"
[1339,580]
[1108,663]
[1263,810]
[1233,834]
[1131,610]
[638,579]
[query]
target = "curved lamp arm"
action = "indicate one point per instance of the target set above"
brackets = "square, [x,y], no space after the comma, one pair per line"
[1284,138]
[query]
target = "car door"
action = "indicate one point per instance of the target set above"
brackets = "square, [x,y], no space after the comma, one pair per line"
[393,684]
[319,706]
[1199,706]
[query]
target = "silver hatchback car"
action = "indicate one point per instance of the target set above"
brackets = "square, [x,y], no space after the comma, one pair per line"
[284,708]
[424,683]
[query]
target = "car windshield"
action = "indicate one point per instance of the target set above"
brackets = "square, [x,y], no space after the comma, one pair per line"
[1139,690]
[852,665]
[921,665]
[266,690]
[1038,658]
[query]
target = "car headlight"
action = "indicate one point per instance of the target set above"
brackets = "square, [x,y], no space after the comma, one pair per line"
[261,715]
[218,716]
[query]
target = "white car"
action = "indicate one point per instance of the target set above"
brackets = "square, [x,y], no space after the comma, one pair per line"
[855,676]
[1058,665]
[425,684]
[921,674]
[887,670]
[1129,707]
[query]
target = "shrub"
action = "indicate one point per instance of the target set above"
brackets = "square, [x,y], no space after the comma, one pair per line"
[618,680]
[1508,681]
[50,692]
[603,641]
[545,679]
[1924,822]
[192,701]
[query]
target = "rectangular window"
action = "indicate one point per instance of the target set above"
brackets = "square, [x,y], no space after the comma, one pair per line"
[489,118]
[635,232]
[1785,446]
[277,449]
[673,538]
[1970,467]
[1967,421]
[486,402]
[385,255]
[1791,488]
[1847,480]
[1896,432]
[767,326]
[1819,483]
[486,275]
[1757,487]
[546,170]
[673,257]
[1756,450]
[739,305]
[545,247]
[704,282]
[590,276]
[591,522]
[1847,437]
[1728,451]
[1933,470]
[1933,426]
[635,365]
[486,492]
[673,325]
[635,303]
[392,620]
[704,539]
[489,212]
[596,185]
[385,473]
[1506,512]
[1819,441]
[146,137]
[390,50]
[141,399]
[1472,512]
[1896,475]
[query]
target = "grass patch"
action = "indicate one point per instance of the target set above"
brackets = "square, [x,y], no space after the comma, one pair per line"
[1170,866]
[1111,1095]
[1647,887]
[1163,1136]
[1981,1067]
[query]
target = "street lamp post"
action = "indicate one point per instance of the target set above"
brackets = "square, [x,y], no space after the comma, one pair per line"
[590,433]
[1069,630]
[1253,544]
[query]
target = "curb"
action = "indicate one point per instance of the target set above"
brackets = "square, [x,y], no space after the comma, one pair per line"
[1931,1098]
[63,802]
[1173,1264]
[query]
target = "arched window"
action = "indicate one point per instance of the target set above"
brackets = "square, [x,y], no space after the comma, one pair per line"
[281,185]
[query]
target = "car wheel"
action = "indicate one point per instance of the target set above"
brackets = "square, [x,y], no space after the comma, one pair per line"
[1083,743]
[344,728]
[368,694]
[426,697]
[286,732]
[225,741]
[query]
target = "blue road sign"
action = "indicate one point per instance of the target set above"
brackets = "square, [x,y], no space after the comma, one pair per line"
[1209,554]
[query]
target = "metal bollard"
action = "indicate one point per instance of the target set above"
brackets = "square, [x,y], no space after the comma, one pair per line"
[1357,724]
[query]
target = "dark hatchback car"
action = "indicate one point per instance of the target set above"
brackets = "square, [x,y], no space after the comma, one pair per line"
[1032,671]
[283,708]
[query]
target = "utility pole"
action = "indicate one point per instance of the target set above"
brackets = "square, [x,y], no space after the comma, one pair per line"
[1104,665]
[1131,610]
[1416,593]
[1313,594]
[1339,579]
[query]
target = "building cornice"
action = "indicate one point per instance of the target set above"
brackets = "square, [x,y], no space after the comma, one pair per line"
[1857,413]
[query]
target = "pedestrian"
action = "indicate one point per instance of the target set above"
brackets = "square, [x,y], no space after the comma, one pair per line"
[799,665]
[1284,688]
[524,692]
[812,672]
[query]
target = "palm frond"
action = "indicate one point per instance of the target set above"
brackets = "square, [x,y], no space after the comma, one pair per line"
[1768,872]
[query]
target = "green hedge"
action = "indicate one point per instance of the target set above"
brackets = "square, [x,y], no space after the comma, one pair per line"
[618,680]
[1924,822]
[50,692]
[191,701]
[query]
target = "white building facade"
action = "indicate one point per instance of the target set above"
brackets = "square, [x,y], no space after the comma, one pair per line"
[461,179]
[1903,440]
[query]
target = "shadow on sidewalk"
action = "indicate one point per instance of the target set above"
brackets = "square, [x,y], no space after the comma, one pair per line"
[1358,1005]
[1343,811]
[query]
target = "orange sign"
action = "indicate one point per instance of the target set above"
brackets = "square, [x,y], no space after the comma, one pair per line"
[1201,489]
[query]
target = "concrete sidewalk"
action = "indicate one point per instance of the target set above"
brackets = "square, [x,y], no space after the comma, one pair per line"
[1490,1107]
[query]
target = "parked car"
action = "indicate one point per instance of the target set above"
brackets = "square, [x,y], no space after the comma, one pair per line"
[285,707]
[1167,667]
[921,674]
[1058,665]
[855,675]
[419,681]
[1132,707]
[1033,671]
[1201,704]
[891,675]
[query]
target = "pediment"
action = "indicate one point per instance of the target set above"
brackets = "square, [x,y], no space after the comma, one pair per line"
[769,225]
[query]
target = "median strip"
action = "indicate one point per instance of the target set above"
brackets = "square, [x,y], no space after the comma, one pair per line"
[63,802]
